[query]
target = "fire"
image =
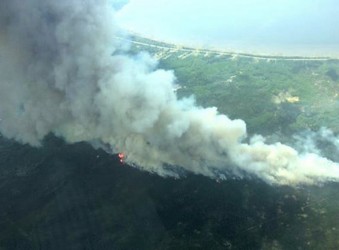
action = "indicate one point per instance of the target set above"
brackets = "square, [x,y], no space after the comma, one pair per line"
[121,157]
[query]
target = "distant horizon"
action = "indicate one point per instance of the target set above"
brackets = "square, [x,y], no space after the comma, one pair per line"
[282,28]
[318,52]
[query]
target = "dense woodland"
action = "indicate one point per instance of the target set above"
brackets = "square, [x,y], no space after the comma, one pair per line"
[272,94]
[63,196]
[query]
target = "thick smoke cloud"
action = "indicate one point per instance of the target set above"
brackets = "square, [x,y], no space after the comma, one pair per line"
[63,71]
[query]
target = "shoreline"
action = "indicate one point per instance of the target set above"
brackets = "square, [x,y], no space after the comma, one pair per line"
[139,39]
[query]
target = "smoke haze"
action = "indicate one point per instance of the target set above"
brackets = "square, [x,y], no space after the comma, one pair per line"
[63,72]
[277,27]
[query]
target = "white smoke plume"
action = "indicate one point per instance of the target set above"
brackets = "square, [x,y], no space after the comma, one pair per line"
[62,71]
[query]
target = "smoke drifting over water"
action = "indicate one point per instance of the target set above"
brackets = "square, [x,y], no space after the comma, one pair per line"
[63,72]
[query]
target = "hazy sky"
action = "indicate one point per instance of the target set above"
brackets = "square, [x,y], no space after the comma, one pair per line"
[239,24]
